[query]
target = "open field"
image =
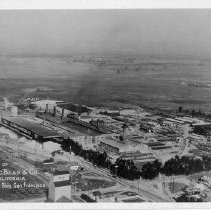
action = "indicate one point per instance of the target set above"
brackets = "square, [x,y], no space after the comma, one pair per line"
[175,187]
[145,82]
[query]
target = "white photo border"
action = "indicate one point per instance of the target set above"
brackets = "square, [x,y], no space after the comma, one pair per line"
[104,4]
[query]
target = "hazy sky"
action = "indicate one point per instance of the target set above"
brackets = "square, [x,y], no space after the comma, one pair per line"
[157,32]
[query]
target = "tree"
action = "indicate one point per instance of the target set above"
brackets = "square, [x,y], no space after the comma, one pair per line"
[121,138]
[157,165]
[148,171]
[193,112]
[197,165]
[206,161]
[180,109]
[65,145]
[125,169]
[151,170]
[186,111]
[200,130]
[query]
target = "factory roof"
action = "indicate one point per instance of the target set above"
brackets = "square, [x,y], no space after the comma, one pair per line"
[113,143]
[188,119]
[55,173]
[201,123]
[62,183]
[33,127]
[70,106]
[177,120]
[136,154]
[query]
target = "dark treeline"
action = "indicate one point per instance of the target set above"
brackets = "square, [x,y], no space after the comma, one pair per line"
[176,166]
[186,198]
[122,168]
[151,170]
[127,169]
[95,157]
[201,131]
[193,112]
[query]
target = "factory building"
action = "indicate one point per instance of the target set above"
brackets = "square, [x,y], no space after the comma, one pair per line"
[30,129]
[139,158]
[115,146]
[111,146]
[74,107]
[88,142]
[85,141]
[97,123]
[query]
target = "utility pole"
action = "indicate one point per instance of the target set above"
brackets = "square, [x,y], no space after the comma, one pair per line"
[139,183]
[18,147]
[173,184]
[68,159]
[36,147]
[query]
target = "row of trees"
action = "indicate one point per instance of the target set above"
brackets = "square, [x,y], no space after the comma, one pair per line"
[182,166]
[176,166]
[151,170]
[95,157]
[127,169]
[122,168]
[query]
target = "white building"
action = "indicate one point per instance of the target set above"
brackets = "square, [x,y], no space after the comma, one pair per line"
[59,186]
[85,141]
[89,141]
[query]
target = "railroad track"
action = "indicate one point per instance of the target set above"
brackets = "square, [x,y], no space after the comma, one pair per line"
[105,173]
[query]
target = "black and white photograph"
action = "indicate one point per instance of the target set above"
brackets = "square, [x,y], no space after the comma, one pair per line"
[105,106]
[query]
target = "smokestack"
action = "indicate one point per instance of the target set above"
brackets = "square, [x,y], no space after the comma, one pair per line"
[54,111]
[97,123]
[62,113]
[46,109]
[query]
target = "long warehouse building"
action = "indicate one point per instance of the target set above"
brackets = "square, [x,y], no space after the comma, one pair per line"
[30,129]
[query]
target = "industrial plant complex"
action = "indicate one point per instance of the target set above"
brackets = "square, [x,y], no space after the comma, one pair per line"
[59,141]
